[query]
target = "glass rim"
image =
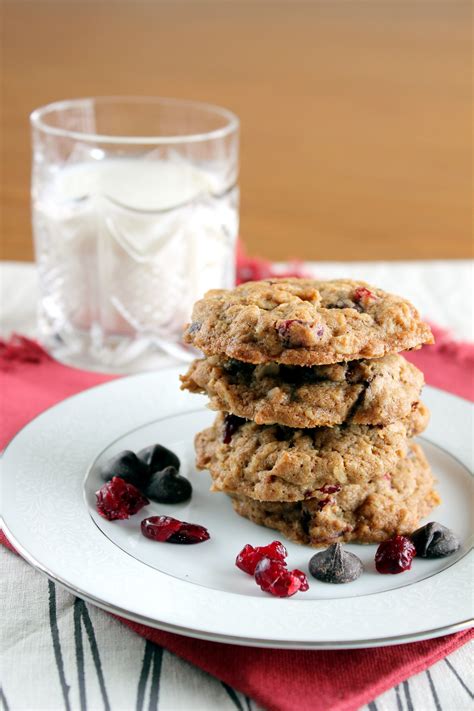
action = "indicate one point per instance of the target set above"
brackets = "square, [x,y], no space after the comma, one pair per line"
[37,121]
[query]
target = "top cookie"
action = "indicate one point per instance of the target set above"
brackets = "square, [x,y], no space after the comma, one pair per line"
[304,322]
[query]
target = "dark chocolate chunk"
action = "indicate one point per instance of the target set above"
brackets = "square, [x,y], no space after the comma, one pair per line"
[156,458]
[169,487]
[335,565]
[128,467]
[434,541]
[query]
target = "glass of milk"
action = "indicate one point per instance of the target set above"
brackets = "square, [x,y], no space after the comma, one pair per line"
[135,216]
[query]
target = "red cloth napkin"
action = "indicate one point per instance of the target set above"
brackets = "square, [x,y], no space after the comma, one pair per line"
[339,680]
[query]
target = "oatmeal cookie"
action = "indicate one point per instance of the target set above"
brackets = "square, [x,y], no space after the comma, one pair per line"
[367,513]
[304,322]
[363,392]
[274,463]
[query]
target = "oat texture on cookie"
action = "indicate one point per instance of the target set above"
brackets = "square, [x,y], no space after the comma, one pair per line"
[305,322]
[316,407]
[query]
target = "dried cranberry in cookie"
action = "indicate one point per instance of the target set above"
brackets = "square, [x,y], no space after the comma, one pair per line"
[295,333]
[305,322]
[362,294]
[330,488]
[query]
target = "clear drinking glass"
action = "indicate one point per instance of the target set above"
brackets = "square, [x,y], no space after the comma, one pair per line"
[135,216]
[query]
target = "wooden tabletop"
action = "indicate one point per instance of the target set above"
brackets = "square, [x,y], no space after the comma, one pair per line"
[356,123]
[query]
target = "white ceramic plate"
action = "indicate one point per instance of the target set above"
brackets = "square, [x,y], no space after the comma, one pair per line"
[50,475]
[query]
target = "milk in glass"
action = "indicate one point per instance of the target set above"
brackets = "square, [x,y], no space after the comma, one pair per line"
[124,248]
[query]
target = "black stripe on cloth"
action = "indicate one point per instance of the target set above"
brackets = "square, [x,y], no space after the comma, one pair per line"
[372,706]
[406,689]
[233,696]
[58,656]
[155,678]
[89,627]
[145,670]
[4,701]
[248,703]
[459,678]
[79,654]
[433,691]
[399,698]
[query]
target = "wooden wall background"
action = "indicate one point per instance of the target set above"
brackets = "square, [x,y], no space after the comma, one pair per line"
[356,116]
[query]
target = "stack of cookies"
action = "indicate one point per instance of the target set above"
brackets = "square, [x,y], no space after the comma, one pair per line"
[316,407]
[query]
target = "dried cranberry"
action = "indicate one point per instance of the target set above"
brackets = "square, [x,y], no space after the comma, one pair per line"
[273,577]
[119,499]
[327,489]
[19,348]
[231,425]
[330,488]
[171,530]
[249,556]
[362,294]
[285,328]
[395,556]
[303,579]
